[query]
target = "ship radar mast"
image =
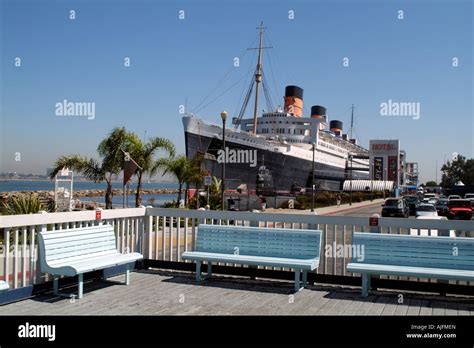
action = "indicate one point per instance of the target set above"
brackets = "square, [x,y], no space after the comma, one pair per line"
[258,75]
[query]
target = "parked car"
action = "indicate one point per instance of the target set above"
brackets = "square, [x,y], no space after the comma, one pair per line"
[395,207]
[426,210]
[442,207]
[433,201]
[454,197]
[460,209]
[413,202]
[432,232]
[470,196]
[429,195]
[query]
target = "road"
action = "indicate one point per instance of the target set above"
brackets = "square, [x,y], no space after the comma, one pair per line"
[365,211]
[361,211]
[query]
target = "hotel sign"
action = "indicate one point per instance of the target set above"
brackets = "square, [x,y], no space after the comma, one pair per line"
[384,158]
[378,168]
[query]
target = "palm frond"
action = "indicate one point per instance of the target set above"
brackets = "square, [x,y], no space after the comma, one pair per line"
[74,162]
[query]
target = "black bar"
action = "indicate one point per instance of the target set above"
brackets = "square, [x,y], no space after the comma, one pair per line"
[136,331]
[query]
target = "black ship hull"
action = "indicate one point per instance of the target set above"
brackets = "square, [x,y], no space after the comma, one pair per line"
[287,171]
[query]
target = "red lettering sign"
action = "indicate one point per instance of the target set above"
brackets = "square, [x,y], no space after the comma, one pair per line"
[373,221]
[98,214]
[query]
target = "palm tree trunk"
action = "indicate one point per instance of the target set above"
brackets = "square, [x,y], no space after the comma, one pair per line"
[179,194]
[138,198]
[108,196]
[197,195]
[186,194]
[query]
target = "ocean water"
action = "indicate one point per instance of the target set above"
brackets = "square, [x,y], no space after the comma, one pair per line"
[118,200]
[48,185]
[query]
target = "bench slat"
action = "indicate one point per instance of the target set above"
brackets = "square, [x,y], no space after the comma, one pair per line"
[306,264]
[442,273]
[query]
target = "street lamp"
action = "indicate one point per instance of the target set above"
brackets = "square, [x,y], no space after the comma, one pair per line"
[223,117]
[312,180]
[350,182]
[372,182]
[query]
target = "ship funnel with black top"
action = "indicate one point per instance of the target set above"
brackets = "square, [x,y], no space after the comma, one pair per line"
[294,100]
[319,112]
[336,127]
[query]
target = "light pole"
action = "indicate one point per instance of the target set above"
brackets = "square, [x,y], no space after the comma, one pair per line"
[350,182]
[312,180]
[223,117]
[383,182]
[372,182]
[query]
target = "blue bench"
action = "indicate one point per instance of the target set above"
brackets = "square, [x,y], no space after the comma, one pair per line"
[295,249]
[79,250]
[413,256]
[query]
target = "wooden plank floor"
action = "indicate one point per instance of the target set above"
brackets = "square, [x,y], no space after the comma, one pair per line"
[155,292]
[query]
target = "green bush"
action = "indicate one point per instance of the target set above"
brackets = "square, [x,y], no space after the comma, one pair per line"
[24,204]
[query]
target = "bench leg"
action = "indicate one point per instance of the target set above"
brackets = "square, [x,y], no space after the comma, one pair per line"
[104,277]
[56,285]
[127,276]
[198,271]
[305,278]
[365,284]
[297,280]
[81,285]
[209,270]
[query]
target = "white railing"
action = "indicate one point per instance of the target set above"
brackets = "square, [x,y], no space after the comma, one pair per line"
[164,234]
[18,264]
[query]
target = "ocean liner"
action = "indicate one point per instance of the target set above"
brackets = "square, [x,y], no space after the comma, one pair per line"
[287,148]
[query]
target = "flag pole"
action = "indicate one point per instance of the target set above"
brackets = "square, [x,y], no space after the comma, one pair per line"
[124,196]
[126,183]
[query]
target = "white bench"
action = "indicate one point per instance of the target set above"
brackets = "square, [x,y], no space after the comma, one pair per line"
[80,250]
[278,247]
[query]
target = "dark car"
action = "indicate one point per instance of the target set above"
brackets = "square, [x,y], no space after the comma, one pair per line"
[395,207]
[412,202]
[442,207]
[460,209]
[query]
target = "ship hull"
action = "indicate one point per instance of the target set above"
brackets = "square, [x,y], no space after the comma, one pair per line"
[286,171]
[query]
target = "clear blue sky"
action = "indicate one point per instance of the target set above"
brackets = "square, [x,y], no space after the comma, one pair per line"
[173,59]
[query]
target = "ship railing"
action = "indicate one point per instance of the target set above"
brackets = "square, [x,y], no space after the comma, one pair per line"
[162,235]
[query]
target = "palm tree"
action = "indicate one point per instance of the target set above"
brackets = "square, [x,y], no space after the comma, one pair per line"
[143,153]
[112,160]
[196,174]
[178,166]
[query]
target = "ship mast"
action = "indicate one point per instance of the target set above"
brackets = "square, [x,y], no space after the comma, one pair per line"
[352,121]
[258,76]
[258,79]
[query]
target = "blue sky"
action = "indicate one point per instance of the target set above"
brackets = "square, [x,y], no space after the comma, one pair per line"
[175,60]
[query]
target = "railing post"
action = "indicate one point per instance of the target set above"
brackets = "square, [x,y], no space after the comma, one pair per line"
[147,233]
[15,258]
[39,275]
[23,257]
[6,254]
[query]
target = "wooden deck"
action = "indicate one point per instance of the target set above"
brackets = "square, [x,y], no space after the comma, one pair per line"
[155,292]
